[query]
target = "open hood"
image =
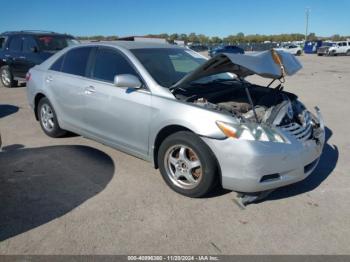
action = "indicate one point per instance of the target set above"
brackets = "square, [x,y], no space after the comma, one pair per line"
[272,64]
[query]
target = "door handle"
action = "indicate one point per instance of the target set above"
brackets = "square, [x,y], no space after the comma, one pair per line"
[8,56]
[49,79]
[22,57]
[89,90]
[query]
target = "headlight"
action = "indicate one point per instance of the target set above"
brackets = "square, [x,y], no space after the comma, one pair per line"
[249,131]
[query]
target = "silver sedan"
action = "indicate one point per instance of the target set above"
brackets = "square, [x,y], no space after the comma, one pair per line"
[199,121]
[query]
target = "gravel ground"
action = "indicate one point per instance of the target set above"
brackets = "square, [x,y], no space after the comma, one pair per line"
[75,196]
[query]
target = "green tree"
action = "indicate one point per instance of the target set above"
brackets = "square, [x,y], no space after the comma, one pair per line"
[203,39]
[216,40]
[240,37]
[312,37]
[192,37]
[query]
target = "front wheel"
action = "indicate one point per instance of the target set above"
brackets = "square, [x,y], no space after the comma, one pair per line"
[298,53]
[187,164]
[48,119]
[348,52]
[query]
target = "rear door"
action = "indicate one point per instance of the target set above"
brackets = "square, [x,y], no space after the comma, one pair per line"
[66,81]
[343,47]
[117,115]
[14,56]
[30,54]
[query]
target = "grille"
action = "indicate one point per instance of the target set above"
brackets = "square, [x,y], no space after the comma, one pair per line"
[301,132]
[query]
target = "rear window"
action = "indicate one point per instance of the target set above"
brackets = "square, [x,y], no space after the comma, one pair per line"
[75,61]
[54,43]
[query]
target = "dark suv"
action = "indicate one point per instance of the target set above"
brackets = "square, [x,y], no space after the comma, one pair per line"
[21,50]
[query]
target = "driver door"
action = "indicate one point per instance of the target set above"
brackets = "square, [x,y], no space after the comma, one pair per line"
[116,115]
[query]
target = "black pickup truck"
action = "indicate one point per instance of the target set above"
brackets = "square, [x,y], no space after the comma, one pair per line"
[21,50]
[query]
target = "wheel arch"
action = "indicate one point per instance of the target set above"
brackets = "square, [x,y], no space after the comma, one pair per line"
[162,135]
[37,99]
[167,131]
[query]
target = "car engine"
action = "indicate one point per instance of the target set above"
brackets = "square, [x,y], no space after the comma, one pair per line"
[271,106]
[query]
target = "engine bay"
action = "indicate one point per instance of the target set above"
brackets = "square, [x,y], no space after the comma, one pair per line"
[247,102]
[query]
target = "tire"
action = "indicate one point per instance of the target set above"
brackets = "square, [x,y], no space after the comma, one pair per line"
[348,52]
[298,53]
[333,53]
[173,167]
[48,119]
[6,77]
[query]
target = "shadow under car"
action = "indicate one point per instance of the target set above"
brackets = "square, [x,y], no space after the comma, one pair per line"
[38,185]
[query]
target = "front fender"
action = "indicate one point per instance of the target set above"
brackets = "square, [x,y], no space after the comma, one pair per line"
[172,112]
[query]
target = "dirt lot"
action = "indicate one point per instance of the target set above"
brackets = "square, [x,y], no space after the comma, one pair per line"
[75,196]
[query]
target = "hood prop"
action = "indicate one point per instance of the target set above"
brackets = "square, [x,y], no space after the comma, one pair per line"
[246,88]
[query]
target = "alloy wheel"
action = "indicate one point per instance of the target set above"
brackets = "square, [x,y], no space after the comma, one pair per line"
[183,166]
[47,117]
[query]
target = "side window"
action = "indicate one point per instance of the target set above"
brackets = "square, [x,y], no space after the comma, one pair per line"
[2,42]
[109,63]
[76,60]
[29,44]
[57,65]
[16,44]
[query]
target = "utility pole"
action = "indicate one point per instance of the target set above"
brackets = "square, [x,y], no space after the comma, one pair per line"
[307,13]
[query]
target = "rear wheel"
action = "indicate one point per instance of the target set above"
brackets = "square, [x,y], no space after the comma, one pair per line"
[48,119]
[7,77]
[187,164]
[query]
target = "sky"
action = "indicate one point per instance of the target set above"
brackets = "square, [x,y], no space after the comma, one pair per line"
[212,18]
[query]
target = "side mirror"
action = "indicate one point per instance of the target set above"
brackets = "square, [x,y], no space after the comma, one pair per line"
[127,80]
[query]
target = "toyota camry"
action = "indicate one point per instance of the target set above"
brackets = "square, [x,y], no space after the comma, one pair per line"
[199,121]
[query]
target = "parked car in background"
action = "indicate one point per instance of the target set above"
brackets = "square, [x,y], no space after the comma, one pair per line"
[197,120]
[324,49]
[21,50]
[292,49]
[232,49]
[340,48]
[198,47]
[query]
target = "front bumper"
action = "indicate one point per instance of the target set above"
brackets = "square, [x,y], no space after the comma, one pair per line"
[323,51]
[254,166]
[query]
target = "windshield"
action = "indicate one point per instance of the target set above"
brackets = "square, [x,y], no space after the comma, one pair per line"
[55,43]
[168,65]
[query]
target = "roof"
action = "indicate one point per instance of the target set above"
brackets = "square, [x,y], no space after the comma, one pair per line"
[31,32]
[134,45]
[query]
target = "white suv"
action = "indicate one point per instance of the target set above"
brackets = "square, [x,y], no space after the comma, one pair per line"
[342,47]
